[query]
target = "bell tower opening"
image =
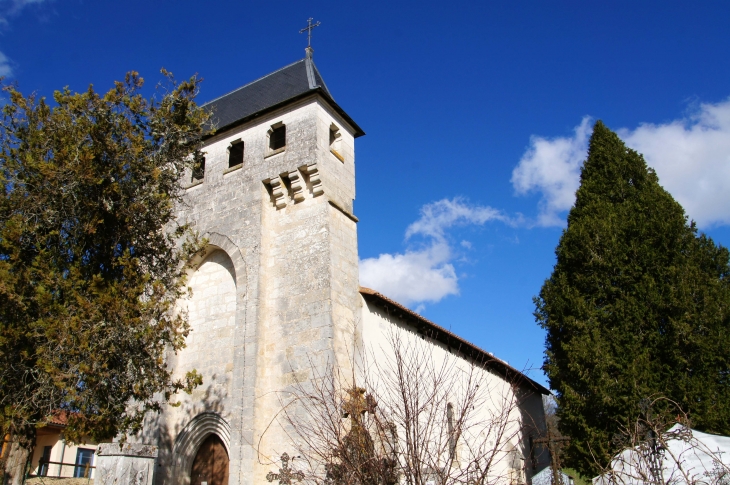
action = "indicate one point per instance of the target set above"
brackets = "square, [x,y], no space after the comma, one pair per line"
[210,466]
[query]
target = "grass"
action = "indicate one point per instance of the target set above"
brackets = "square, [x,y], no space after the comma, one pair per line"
[578,479]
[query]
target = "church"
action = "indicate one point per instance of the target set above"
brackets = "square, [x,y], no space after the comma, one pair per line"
[276,299]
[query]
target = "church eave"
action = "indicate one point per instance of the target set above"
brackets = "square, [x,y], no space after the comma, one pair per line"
[452,341]
[358,132]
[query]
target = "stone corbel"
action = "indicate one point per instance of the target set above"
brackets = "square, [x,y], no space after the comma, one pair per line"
[277,192]
[297,186]
[315,182]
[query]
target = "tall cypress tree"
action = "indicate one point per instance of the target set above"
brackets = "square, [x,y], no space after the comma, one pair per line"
[637,306]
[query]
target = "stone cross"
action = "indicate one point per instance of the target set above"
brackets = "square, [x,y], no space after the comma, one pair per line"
[285,474]
[552,440]
[308,29]
[358,403]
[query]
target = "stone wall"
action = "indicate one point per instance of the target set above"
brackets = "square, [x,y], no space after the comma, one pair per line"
[128,464]
[212,316]
[281,227]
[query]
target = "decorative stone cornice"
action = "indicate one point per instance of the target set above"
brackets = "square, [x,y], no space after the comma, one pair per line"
[297,181]
[347,214]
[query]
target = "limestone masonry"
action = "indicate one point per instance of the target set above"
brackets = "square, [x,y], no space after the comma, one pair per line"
[276,293]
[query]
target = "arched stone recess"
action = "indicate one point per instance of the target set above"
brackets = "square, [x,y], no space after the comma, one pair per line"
[217,241]
[191,437]
[224,369]
[211,311]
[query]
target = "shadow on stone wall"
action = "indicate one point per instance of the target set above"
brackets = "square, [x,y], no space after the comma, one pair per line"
[164,428]
[537,456]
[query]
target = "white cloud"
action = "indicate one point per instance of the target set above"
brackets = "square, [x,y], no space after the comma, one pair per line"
[15,6]
[8,9]
[438,216]
[552,167]
[414,276]
[5,67]
[426,274]
[692,159]
[691,156]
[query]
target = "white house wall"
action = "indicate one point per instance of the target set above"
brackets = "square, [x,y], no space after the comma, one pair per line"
[515,405]
[62,451]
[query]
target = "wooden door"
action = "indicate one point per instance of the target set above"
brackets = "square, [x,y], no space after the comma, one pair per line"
[210,466]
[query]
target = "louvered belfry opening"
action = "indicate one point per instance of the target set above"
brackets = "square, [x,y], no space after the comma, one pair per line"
[198,170]
[277,139]
[211,463]
[235,154]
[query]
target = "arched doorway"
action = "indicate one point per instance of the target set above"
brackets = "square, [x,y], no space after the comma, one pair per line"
[210,466]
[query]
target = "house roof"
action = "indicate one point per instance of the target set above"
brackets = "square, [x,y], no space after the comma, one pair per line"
[451,340]
[58,418]
[288,84]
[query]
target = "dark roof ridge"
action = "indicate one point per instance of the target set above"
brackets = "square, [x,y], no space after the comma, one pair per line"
[321,78]
[252,82]
[447,335]
[310,73]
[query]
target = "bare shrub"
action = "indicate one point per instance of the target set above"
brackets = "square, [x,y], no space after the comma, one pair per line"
[661,448]
[402,415]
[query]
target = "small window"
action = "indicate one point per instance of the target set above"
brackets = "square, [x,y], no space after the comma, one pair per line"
[277,137]
[83,463]
[43,462]
[198,169]
[235,154]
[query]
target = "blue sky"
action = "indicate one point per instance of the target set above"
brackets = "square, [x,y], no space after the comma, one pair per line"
[476,113]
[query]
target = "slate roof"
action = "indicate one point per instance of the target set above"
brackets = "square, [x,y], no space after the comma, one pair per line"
[270,92]
[451,340]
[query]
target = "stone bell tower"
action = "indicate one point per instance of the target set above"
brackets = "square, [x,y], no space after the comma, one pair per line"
[276,292]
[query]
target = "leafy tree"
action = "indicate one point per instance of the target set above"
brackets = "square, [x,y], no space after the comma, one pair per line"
[92,257]
[638,305]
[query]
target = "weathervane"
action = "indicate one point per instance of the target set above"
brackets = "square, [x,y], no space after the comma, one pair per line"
[308,29]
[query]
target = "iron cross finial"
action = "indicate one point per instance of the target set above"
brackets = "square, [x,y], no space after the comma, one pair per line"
[285,474]
[308,29]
